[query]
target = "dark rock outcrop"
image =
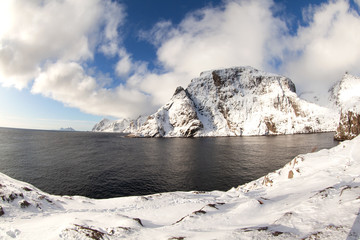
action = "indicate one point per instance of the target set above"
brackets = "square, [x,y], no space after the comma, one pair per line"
[349,126]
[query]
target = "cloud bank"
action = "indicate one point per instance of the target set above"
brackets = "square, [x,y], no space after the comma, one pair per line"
[47,45]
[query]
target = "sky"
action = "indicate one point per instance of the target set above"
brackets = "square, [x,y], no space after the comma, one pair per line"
[70,63]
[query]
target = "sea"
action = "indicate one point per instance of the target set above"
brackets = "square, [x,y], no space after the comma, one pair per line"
[106,165]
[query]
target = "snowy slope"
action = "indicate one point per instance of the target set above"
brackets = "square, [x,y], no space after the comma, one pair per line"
[345,94]
[121,125]
[176,118]
[236,102]
[315,196]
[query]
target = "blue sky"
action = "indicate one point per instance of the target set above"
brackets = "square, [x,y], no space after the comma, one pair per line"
[71,63]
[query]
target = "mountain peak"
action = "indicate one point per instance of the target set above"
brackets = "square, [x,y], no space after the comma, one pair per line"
[345,93]
[247,78]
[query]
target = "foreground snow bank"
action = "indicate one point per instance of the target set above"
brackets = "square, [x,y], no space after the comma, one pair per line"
[315,196]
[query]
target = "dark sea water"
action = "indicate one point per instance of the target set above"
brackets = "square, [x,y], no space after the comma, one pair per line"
[103,165]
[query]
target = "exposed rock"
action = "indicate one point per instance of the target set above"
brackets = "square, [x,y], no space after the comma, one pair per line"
[27,189]
[217,79]
[89,232]
[1,211]
[138,220]
[349,126]
[291,174]
[24,204]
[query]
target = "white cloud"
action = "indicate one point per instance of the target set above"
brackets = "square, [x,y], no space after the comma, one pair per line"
[41,31]
[321,52]
[357,2]
[237,33]
[247,33]
[69,83]
[123,66]
[47,44]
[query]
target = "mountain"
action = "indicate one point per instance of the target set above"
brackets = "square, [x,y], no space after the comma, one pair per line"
[178,117]
[68,129]
[345,95]
[315,196]
[239,101]
[120,126]
[107,125]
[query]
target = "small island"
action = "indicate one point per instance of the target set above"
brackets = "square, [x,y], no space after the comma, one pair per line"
[68,129]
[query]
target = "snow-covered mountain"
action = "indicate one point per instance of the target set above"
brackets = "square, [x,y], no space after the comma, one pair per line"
[68,129]
[345,96]
[120,126]
[315,196]
[237,101]
[107,125]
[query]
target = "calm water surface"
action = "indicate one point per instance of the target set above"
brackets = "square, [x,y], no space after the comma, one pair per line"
[103,165]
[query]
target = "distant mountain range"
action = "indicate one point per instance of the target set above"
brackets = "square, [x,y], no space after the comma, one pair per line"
[240,101]
[68,129]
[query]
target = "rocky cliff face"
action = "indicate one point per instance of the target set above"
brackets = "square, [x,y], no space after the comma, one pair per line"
[349,125]
[237,102]
[345,95]
[177,118]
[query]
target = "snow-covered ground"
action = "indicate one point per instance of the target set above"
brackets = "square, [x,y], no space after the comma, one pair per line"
[315,196]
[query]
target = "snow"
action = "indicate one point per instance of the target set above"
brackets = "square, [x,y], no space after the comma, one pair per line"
[315,196]
[345,94]
[119,126]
